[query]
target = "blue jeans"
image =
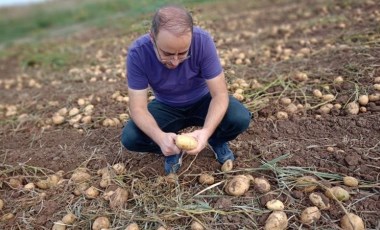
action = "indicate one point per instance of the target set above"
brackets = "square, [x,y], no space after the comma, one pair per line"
[174,119]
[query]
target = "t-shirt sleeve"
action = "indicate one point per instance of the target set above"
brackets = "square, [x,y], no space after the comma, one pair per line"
[136,76]
[210,63]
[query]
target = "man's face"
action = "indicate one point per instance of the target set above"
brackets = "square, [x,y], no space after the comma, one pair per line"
[171,50]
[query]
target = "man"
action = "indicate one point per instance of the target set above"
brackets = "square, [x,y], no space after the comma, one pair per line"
[179,62]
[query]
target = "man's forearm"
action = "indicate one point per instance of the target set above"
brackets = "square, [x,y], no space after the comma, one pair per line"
[217,110]
[146,122]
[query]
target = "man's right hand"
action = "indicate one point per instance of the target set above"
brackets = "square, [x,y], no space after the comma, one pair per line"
[167,144]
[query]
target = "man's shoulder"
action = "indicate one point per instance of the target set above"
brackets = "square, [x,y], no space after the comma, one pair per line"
[140,42]
[200,32]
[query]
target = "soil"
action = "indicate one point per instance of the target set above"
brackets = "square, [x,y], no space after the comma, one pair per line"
[344,41]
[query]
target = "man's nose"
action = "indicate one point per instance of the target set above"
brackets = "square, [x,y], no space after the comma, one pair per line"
[174,60]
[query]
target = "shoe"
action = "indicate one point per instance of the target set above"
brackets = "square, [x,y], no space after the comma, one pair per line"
[222,152]
[172,163]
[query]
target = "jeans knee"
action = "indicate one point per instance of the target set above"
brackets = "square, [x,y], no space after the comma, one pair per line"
[128,138]
[242,121]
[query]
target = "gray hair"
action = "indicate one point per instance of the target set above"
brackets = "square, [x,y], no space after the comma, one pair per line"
[172,18]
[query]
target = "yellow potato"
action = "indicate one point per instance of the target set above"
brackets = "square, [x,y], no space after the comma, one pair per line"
[53,180]
[277,220]
[132,226]
[357,222]
[119,168]
[119,198]
[80,176]
[43,184]
[350,181]
[91,192]
[275,205]
[227,166]
[1,204]
[205,178]
[15,183]
[186,142]
[69,218]
[81,188]
[6,217]
[106,179]
[195,225]
[29,186]
[319,200]
[100,223]
[238,185]
[310,215]
[306,183]
[261,185]
[171,178]
[338,192]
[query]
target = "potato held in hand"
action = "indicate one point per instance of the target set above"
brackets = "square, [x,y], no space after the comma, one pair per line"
[186,142]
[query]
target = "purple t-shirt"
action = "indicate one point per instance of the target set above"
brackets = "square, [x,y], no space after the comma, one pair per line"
[181,86]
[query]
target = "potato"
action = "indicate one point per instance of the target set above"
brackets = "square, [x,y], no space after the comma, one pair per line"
[6,217]
[58,119]
[100,223]
[227,166]
[338,80]
[350,221]
[207,179]
[277,220]
[376,87]
[43,184]
[119,168]
[281,115]
[328,97]
[59,225]
[306,183]
[80,176]
[317,93]
[69,218]
[350,181]
[195,225]
[15,183]
[275,205]
[285,100]
[53,180]
[62,111]
[29,186]
[238,185]
[1,204]
[161,228]
[132,226]
[261,185]
[340,193]
[91,192]
[106,179]
[310,215]
[363,99]
[185,142]
[74,111]
[319,200]
[352,108]
[101,171]
[119,198]
[171,178]
[81,188]
[291,108]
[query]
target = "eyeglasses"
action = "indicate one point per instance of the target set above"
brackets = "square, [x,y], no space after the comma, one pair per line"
[180,58]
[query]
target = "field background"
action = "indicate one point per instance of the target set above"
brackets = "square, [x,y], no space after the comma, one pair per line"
[71,54]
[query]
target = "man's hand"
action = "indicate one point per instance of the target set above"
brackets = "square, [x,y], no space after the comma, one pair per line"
[167,144]
[202,137]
